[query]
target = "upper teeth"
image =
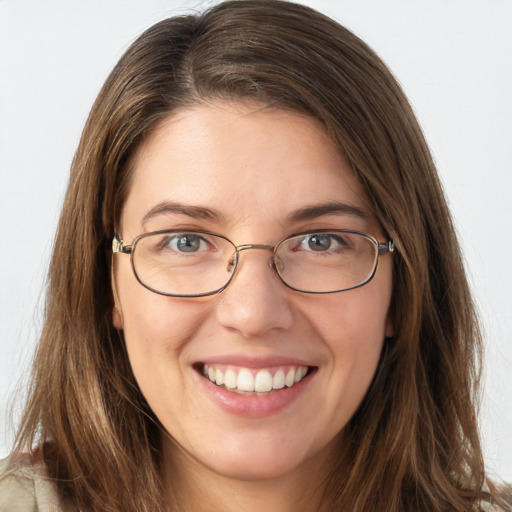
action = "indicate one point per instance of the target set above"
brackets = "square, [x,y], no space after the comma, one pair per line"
[261,381]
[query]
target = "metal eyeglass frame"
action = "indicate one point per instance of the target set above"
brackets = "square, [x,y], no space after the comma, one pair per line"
[119,247]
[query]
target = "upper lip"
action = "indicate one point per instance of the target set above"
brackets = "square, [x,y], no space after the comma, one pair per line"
[247,361]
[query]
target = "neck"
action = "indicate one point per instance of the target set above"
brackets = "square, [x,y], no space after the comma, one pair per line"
[194,487]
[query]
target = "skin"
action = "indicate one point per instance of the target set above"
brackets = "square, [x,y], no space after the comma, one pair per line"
[254,166]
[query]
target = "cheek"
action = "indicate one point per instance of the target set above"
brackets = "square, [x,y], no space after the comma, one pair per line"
[150,339]
[353,327]
[152,323]
[156,331]
[356,321]
[355,344]
[157,326]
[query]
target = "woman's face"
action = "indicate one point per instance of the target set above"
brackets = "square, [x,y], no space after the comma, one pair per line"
[255,176]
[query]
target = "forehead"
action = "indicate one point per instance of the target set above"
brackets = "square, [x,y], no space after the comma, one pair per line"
[245,161]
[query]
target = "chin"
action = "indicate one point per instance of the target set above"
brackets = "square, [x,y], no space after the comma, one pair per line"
[249,468]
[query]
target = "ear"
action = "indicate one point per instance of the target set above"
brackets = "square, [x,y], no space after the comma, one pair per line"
[117,318]
[117,313]
[389,331]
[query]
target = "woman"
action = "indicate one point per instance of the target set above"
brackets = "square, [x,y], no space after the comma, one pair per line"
[256,297]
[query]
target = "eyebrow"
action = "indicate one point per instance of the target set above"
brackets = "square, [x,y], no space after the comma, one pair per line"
[332,208]
[306,213]
[196,212]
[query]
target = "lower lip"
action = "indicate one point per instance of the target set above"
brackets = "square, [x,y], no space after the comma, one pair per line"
[253,405]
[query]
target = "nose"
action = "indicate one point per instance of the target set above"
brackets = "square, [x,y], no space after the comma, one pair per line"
[256,301]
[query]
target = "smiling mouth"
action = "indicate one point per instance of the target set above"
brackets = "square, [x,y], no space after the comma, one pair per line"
[256,382]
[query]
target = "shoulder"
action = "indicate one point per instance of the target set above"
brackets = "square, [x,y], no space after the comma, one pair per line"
[485,506]
[24,486]
[501,500]
[17,486]
[504,507]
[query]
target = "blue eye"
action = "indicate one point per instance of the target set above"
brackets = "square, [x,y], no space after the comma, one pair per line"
[185,242]
[321,242]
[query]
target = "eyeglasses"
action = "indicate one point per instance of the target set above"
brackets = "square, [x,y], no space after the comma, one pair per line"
[199,263]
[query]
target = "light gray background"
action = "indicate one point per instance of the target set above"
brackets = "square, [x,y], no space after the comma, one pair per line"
[453,57]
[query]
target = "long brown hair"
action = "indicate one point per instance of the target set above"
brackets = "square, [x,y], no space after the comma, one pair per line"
[413,443]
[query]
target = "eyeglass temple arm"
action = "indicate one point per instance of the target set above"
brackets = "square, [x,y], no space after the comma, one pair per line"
[388,246]
[117,246]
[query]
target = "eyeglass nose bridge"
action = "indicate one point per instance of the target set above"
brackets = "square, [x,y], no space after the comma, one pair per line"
[265,247]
